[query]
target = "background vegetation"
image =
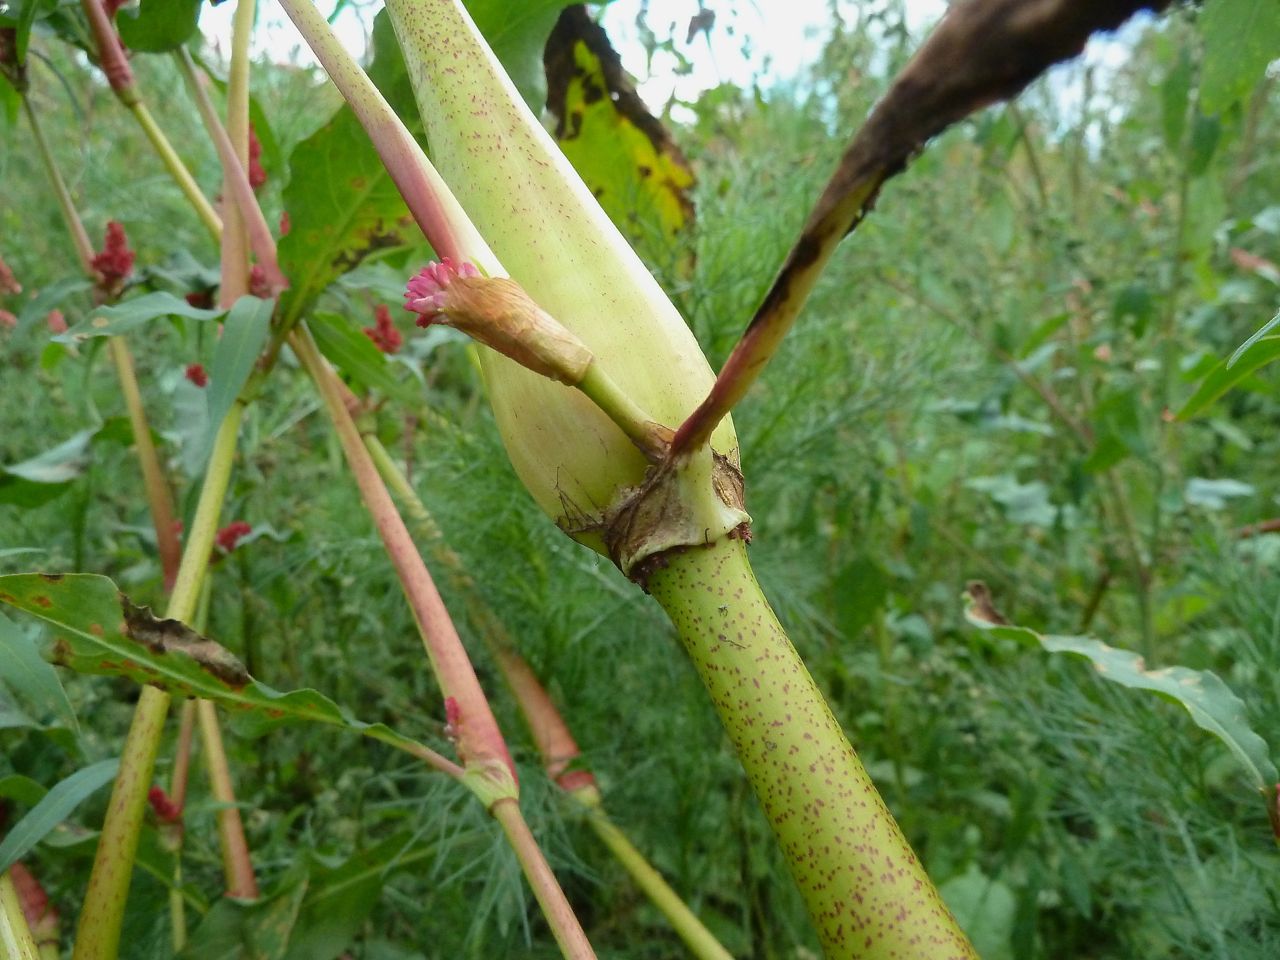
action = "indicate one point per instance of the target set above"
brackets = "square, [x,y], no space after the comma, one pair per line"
[982,388]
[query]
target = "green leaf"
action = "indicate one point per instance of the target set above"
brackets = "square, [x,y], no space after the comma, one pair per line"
[1229,373]
[354,354]
[48,297]
[26,791]
[342,206]
[101,632]
[1240,38]
[30,677]
[1265,329]
[986,910]
[243,337]
[158,26]
[1210,702]
[56,806]
[123,317]
[860,589]
[46,475]
[517,34]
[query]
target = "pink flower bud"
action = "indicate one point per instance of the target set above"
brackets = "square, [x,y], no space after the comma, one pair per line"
[259,284]
[7,320]
[56,321]
[195,372]
[498,313]
[284,223]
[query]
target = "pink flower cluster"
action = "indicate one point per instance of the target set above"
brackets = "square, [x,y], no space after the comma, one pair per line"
[426,293]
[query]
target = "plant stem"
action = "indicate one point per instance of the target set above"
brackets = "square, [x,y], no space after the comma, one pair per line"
[16,941]
[429,200]
[236,863]
[158,496]
[651,438]
[700,941]
[560,916]
[236,177]
[79,238]
[101,917]
[235,252]
[480,743]
[178,170]
[866,892]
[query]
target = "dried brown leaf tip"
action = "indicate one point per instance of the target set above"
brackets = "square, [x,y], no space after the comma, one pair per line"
[174,636]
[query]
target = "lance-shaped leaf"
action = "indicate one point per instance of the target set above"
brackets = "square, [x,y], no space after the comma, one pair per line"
[100,631]
[1210,702]
[1258,351]
[123,317]
[53,808]
[44,476]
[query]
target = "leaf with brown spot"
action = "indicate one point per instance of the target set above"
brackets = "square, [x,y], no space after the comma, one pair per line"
[167,654]
[622,151]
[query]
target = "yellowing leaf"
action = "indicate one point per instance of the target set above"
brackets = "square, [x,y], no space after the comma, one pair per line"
[622,152]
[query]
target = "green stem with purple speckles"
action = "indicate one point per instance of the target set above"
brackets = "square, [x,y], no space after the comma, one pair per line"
[866,891]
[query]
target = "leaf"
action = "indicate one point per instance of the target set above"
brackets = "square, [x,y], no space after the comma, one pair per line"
[986,910]
[56,806]
[131,314]
[26,791]
[623,153]
[1228,374]
[1210,702]
[260,930]
[158,26]
[30,677]
[244,334]
[1240,38]
[354,354]
[517,34]
[101,632]
[1214,493]
[48,297]
[1260,334]
[41,478]
[342,206]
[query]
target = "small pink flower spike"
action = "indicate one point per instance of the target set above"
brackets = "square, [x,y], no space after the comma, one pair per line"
[425,293]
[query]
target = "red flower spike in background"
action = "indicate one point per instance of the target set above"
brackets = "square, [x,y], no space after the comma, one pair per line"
[166,810]
[56,321]
[115,262]
[257,173]
[40,914]
[426,293]
[8,282]
[384,333]
[195,372]
[284,223]
[200,299]
[259,285]
[7,320]
[230,535]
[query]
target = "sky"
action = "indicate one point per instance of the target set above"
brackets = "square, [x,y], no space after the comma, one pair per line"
[783,36]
